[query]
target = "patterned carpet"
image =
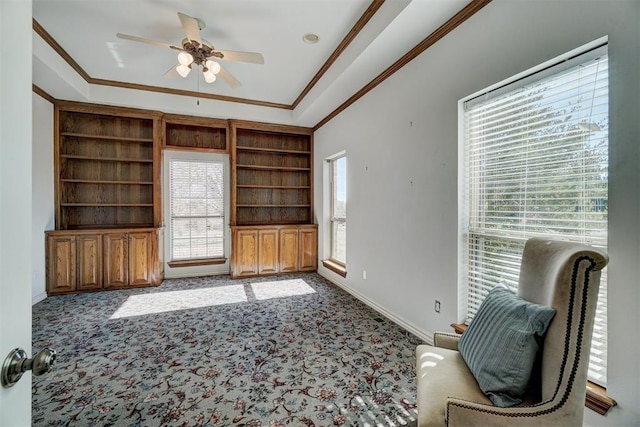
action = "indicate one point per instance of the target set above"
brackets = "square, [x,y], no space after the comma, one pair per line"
[279,351]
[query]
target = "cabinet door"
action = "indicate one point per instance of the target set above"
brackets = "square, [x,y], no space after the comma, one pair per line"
[268,251]
[89,251]
[245,260]
[288,250]
[61,264]
[308,249]
[116,260]
[139,259]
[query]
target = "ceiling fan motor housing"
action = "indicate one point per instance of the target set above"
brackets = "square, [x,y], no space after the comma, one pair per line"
[200,52]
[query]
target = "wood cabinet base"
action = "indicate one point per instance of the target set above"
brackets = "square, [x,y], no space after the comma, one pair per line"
[273,249]
[94,260]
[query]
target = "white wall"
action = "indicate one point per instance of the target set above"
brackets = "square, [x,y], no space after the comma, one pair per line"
[42,197]
[401,141]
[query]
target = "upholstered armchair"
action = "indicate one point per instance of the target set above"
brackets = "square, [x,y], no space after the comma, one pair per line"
[562,275]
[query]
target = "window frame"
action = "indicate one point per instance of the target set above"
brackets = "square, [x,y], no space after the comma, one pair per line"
[333,219]
[548,69]
[330,261]
[195,266]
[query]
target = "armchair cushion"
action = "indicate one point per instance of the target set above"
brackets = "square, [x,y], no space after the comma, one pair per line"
[500,345]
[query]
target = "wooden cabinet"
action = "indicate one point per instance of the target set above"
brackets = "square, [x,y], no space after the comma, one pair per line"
[245,252]
[308,249]
[61,263]
[107,167]
[289,250]
[140,271]
[271,199]
[272,174]
[127,259]
[268,251]
[116,260]
[107,199]
[93,260]
[88,259]
[263,250]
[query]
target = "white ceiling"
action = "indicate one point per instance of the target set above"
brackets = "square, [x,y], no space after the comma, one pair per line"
[86,30]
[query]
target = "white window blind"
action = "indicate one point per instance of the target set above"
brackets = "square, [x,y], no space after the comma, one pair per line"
[196,209]
[536,164]
[339,209]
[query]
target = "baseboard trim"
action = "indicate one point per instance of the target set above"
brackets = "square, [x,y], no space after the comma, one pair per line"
[37,298]
[423,335]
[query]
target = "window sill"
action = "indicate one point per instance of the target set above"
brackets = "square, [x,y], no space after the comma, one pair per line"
[335,267]
[196,262]
[596,400]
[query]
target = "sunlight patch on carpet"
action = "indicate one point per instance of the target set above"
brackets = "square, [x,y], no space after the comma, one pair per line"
[281,289]
[161,302]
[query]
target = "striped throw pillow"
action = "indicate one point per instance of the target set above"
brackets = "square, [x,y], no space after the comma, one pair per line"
[500,345]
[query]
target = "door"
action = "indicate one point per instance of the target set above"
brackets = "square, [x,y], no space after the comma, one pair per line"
[116,260]
[16,205]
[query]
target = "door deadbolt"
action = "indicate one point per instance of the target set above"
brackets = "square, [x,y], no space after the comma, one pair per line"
[17,363]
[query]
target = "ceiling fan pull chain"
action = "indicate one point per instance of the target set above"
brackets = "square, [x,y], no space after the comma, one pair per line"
[198,89]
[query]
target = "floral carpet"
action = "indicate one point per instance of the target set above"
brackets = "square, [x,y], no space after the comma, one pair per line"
[290,350]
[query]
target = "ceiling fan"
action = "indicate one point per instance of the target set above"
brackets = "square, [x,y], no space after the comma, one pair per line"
[196,50]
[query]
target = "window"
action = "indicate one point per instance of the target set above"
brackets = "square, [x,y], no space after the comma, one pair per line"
[536,164]
[338,178]
[196,209]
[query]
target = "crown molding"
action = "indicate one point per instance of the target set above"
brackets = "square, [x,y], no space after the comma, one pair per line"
[465,13]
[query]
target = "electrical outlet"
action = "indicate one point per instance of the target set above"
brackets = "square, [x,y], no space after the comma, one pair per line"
[437,306]
[364,274]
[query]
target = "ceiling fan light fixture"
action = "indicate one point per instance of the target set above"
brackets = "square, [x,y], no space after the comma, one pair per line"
[213,66]
[209,77]
[183,70]
[185,58]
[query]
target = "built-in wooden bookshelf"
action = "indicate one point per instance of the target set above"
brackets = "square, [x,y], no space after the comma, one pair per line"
[273,174]
[195,133]
[107,199]
[272,199]
[106,167]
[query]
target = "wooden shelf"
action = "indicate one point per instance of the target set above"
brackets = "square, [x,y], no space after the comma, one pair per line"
[274,168]
[112,205]
[112,182]
[123,226]
[272,176]
[105,159]
[106,166]
[274,206]
[195,133]
[106,137]
[272,150]
[276,187]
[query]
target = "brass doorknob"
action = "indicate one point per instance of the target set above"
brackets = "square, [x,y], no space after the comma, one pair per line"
[17,363]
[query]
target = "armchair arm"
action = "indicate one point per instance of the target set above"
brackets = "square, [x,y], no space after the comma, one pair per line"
[446,340]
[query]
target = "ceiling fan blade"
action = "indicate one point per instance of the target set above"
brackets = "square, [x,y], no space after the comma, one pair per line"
[191,27]
[228,78]
[148,41]
[172,73]
[251,57]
